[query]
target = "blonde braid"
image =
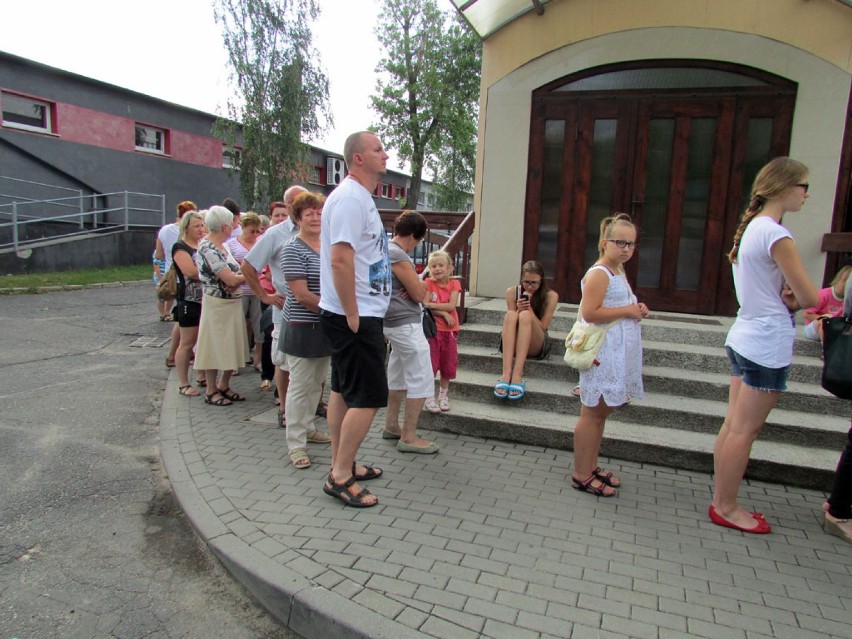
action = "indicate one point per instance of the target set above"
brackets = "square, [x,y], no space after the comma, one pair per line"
[754,207]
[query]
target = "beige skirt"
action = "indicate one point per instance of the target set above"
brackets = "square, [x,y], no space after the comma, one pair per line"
[222,339]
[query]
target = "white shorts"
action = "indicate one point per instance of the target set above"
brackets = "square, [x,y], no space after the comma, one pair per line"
[279,358]
[810,331]
[410,362]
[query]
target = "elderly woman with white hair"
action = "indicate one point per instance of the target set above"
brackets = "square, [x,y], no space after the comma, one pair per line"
[222,340]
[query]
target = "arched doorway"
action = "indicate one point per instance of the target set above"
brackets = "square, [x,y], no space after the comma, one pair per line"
[676,144]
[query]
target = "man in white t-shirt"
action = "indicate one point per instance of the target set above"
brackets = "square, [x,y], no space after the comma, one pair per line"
[267,252]
[355,284]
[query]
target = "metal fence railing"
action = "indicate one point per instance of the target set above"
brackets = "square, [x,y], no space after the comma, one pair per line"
[25,221]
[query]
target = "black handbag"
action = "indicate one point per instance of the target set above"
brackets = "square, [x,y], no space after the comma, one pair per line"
[430,329]
[837,356]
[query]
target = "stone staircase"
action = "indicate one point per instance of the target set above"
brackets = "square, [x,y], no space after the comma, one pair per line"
[686,376]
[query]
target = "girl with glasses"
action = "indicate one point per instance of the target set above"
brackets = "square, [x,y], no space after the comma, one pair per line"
[617,373]
[530,307]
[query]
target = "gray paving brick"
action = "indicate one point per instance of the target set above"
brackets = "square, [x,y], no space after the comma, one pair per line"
[379,603]
[825,626]
[391,585]
[570,613]
[544,624]
[782,631]
[444,629]
[580,631]
[459,617]
[500,630]
[501,583]
[743,621]
[422,577]
[522,602]
[485,565]
[684,609]
[700,628]
[412,618]
[469,589]
[628,627]
[490,610]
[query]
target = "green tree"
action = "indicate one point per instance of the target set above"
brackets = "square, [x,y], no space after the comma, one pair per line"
[281,92]
[427,95]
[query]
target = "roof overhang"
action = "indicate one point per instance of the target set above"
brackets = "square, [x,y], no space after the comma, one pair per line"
[487,16]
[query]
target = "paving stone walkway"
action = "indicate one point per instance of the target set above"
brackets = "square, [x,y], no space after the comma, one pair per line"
[488,539]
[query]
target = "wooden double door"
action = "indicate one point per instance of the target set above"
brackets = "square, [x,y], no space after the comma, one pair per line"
[680,165]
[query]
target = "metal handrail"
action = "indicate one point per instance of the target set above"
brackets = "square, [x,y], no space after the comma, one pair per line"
[17,223]
[459,226]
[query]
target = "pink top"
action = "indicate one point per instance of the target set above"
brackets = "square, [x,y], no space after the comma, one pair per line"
[441,295]
[828,305]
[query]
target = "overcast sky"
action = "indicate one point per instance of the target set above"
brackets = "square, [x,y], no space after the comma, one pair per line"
[172,49]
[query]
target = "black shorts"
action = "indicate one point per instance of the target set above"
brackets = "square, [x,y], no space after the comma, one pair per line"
[357,360]
[187,314]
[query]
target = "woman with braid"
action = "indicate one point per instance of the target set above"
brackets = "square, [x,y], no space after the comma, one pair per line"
[771,284]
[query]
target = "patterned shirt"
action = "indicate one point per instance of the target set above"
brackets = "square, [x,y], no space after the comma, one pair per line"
[210,260]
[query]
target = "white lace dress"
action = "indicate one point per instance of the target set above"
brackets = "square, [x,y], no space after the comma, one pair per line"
[619,374]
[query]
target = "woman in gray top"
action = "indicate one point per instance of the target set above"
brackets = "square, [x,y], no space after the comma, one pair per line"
[410,376]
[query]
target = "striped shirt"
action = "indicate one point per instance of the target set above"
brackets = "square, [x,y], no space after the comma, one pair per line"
[300,262]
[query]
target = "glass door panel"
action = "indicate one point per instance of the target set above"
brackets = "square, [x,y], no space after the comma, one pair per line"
[601,183]
[553,175]
[693,219]
[657,178]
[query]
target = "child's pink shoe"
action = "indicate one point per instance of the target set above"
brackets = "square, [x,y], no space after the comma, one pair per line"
[431,405]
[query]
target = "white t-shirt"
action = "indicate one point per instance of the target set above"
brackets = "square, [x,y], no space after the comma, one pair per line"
[350,217]
[267,251]
[168,235]
[763,331]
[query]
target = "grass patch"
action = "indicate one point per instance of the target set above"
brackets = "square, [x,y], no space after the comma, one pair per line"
[79,277]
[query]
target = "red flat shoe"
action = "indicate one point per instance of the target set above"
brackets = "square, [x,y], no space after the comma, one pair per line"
[762,527]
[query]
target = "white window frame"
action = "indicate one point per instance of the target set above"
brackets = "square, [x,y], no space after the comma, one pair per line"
[385,190]
[158,148]
[229,154]
[47,113]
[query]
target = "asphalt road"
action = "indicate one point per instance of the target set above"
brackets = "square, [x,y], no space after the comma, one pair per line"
[92,543]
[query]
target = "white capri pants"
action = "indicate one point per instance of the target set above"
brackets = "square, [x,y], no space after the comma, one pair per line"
[410,362]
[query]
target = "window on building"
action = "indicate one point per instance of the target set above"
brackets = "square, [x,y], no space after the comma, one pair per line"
[316,176]
[386,188]
[20,112]
[150,139]
[401,192]
[421,198]
[231,157]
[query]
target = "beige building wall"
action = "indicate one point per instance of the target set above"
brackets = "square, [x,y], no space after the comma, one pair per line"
[579,34]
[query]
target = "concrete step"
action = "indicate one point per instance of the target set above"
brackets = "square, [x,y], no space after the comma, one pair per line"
[659,410]
[669,328]
[774,461]
[684,383]
[806,368]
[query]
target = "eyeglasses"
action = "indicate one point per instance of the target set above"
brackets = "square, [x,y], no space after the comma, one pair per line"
[805,186]
[531,284]
[624,244]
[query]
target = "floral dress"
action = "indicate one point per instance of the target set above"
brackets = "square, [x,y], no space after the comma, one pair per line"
[619,375]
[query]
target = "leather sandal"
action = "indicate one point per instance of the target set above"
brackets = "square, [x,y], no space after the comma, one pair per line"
[370,472]
[222,401]
[587,486]
[607,477]
[299,458]
[344,493]
[227,393]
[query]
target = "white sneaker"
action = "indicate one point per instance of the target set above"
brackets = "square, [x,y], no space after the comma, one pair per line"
[431,406]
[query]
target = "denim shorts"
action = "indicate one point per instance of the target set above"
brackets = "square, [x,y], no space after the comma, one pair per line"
[755,375]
